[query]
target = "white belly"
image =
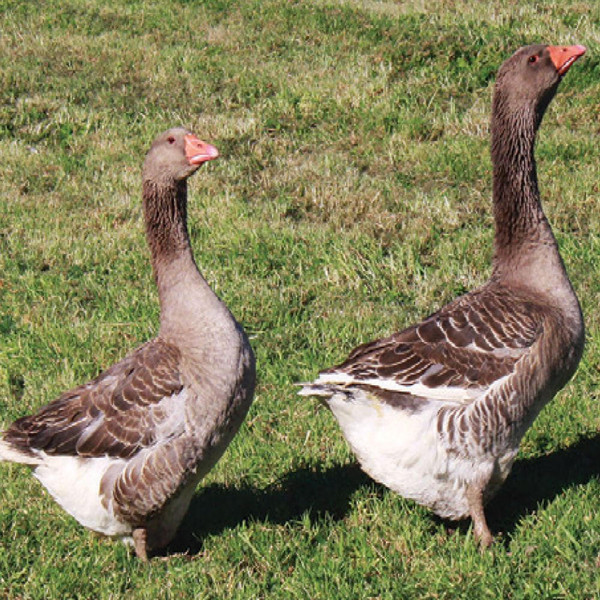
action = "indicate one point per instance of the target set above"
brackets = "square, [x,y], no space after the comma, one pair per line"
[75,484]
[402,450]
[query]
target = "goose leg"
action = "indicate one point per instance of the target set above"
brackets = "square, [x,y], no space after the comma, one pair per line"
[475,499]
[140,536]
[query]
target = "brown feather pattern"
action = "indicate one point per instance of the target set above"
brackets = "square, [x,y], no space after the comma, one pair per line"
[149,481]
[470,343]
[124,452]
[115,414]
[483,366]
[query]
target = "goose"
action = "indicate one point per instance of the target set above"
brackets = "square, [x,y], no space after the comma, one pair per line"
[436,412]
[124,453]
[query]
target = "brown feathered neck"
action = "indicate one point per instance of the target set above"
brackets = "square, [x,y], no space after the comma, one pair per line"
[165,211]
[520,221]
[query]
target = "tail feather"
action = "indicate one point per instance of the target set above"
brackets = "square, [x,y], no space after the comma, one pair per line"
[10,453]
[316,389]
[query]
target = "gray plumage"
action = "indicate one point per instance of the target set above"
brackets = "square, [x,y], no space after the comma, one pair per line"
[124,452]
[437,411]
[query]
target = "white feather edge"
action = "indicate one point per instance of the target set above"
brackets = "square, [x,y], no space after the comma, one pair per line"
[442,393]
[9,453]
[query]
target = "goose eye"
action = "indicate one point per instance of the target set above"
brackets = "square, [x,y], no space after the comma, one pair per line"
[171,139]
[533,59]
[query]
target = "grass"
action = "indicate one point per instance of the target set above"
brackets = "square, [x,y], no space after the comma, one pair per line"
[352,197]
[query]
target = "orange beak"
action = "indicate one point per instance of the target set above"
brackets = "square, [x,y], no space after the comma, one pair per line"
[564,56]
[197,151]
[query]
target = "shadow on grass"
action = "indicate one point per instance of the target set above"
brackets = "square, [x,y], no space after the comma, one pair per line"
[328,493]
[540,480]
[536,481]
[319,493]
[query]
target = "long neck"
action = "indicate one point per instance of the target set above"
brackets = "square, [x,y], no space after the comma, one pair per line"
[165,211]
[186,301]
[522,229]
[526,254]
[517,208]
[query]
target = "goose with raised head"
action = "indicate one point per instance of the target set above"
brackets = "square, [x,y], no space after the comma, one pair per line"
[437,412]
[123,453]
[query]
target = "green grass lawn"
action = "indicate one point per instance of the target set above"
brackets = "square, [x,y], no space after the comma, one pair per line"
[352,197]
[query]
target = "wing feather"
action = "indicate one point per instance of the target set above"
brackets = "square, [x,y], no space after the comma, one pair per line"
[116,414]
[455,353]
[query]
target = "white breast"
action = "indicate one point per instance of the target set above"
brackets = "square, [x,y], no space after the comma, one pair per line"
[402,450]
[74,483]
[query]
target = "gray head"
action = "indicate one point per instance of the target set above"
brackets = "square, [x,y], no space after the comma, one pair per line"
[528,80]
[175,155]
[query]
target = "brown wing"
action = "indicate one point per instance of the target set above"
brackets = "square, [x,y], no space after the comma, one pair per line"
[116,414]
[468,345]
[145,484]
